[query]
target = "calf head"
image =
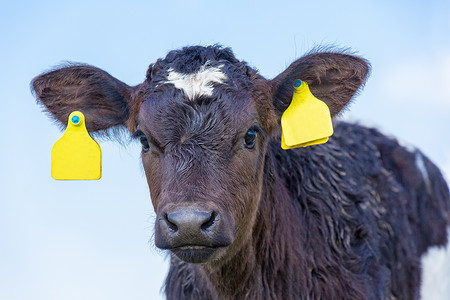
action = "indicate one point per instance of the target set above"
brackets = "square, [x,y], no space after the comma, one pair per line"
[204,119]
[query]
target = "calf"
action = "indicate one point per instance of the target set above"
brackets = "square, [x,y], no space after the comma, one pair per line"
[244,219]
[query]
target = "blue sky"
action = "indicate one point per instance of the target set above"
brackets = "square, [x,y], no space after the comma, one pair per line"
[90,240]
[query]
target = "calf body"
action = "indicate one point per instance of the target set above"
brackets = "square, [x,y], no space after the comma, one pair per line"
[345,220]
[244,219]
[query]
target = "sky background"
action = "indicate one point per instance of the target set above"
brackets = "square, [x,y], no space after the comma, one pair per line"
[93,239]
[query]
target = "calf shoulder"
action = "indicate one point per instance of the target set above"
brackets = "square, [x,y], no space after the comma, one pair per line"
[370,204]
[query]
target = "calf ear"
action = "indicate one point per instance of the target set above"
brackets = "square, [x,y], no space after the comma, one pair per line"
[332,77]
[104,100]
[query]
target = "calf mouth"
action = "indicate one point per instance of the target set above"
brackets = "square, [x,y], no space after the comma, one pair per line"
[197,254]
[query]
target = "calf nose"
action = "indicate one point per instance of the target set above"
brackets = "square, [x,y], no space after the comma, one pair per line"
[190,220]
[189,227]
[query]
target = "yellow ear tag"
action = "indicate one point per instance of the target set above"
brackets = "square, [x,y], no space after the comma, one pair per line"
[76,156]
[307,120]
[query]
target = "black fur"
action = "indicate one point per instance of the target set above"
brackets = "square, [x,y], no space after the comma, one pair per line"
[364,215]
[348,219]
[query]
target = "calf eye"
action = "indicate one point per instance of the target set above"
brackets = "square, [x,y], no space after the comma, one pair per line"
[143,139]
[250,139]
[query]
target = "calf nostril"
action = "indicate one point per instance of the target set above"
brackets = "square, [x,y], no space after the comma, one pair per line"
[170,222]
[210,221]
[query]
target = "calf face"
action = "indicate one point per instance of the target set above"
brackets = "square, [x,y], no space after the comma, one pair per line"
[204,119]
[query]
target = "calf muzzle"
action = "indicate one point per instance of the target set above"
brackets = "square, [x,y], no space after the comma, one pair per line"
[192,234]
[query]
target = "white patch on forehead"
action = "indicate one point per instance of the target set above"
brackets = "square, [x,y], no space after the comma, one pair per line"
[199,83]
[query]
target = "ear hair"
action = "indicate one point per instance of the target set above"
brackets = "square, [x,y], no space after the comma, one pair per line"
[333,77]
[104,100]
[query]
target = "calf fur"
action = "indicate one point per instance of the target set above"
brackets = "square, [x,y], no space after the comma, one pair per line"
[244,219]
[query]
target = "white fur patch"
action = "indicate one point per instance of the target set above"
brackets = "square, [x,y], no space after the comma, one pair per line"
[407,146]
[199,83]
[436,273]
[420,164]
